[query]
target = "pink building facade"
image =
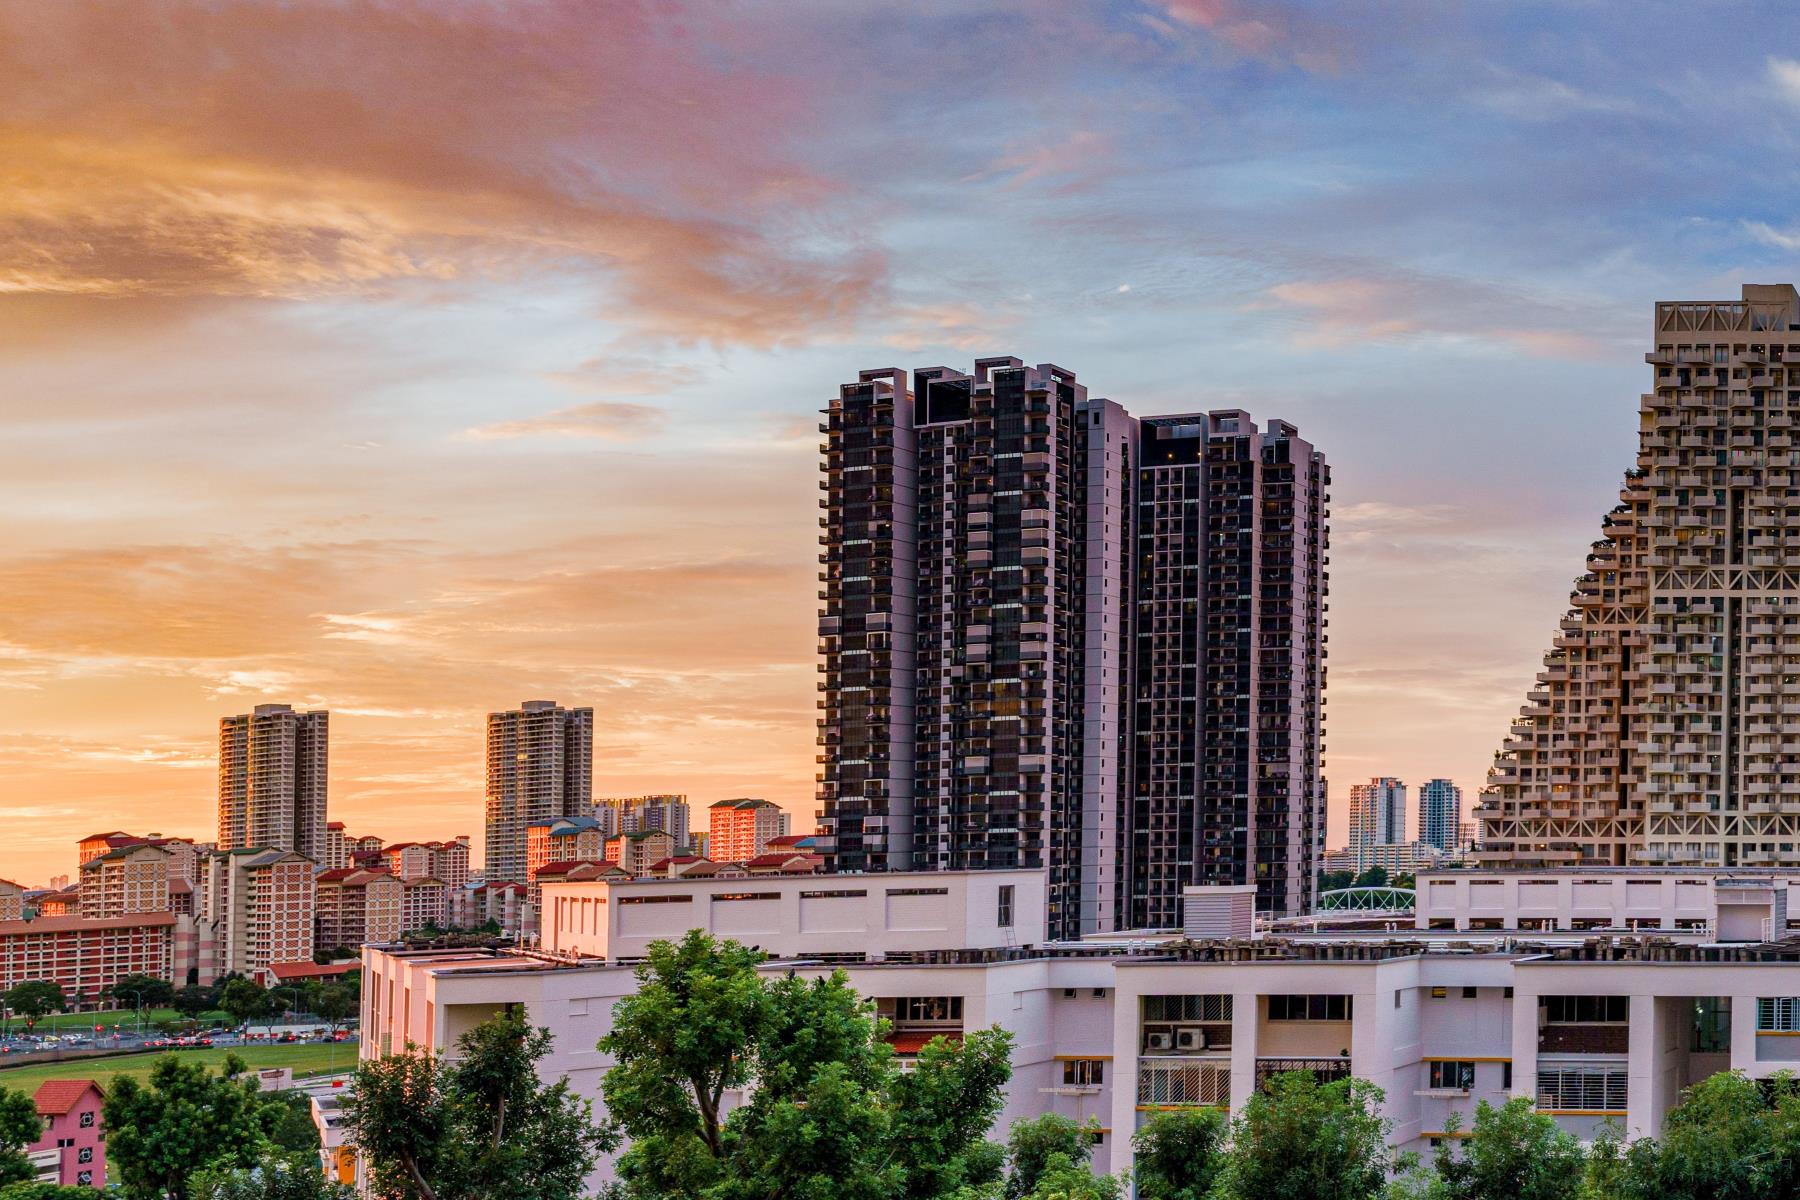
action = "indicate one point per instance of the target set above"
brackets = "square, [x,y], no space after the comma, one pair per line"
[70,1110]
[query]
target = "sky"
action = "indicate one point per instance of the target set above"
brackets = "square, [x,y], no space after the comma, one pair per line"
[415,359]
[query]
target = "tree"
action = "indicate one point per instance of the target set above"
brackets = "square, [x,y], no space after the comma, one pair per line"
[481,1127]
[294,1176]
[1725,1139]
[1513,1152]
[1064,1178]
[1300,1137]
[46,1191]
[1373,877]
[294,1130]
[1331,881]
[334,1004]
[830,1113]
[19,1127]
[34,999]
[1032,1144]
[1179,1154]
[244,1000]
[145,991]
[183,1118]
[191,1001]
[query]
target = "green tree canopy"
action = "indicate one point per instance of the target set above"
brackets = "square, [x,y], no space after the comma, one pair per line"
[145,990]
[191,1001]
[1513,1152]
[277,1176]
[19,1127]
[1031,1145]
[1178,1155]
[483,1127]
[1726,1139]
[335,1003]
[34,999]
[1299,1137]
[182,1118]
[245,1000]
[46,1191]
[830,1114]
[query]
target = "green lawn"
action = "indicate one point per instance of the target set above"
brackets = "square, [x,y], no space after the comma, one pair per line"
[85,1022]
[306,1058]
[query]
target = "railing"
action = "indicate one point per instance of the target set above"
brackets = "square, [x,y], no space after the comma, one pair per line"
[1325,1070]
[1186,1079]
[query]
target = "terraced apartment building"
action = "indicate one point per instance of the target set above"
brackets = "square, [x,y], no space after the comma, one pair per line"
[1662,728]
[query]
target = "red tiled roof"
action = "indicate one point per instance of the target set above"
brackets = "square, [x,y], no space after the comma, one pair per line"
[56,1097]
[336,874]
[94,837]
[180,887]
[305,969]
[334,825]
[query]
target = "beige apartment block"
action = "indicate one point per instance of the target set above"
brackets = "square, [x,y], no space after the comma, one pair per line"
[1662,728]
[262,904]
[272,780]
[131,879]
[540,765]
[742,829]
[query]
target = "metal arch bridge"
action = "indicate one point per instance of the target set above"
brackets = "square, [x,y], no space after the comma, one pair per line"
[1368,899]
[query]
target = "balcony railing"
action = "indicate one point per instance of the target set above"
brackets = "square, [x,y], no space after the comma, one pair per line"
[1325,1070]
[1195,1079]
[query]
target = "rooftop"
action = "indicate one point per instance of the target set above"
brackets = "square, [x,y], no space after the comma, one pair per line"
[57,1097]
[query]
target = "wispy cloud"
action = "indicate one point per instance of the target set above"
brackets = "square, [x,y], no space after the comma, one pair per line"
[605,420]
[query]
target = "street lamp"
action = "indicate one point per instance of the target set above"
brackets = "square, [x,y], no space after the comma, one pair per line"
[137,1000]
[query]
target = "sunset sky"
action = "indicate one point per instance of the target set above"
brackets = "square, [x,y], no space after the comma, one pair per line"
[412,360]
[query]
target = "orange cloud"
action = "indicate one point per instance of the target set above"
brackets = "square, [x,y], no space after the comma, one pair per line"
[296,151]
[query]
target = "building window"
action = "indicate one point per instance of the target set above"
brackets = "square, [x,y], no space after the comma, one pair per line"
[655,899]
[85,1154]
[1582,1089]
[1459,1075]
[844,893]
[918,891]
[1309,1008]
[928,1008]
[85,1178]
[1587,1010]
[1506,1075]
[1187,1008]
[87,1120]
[1778,1014]
[1004,917]
[1438,993]
[1084,1072]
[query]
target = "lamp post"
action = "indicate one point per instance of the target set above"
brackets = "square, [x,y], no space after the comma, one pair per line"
[137,1001]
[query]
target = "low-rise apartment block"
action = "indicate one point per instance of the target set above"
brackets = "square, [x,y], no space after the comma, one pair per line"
[84,957]
[355,906]
[129,879]
[262,906]
[1592,1027]
[742,829]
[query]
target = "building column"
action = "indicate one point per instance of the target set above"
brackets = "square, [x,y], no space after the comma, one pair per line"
[1524,1038]
[1126,1009]
[1643,1115]
[1743,1034]
[1244,1017]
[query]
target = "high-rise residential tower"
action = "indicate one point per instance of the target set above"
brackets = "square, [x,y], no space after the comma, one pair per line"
[1377,817]
[1440,814]
[1227,719]
[272,779]
[1661,728]
[540,765]
[1031,603]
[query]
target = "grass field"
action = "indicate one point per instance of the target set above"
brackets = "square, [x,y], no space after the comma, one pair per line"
[85,1022]
[306,1059]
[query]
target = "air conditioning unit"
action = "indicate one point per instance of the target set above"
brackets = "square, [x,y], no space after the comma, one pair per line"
[1161,1040]
[1190,1039]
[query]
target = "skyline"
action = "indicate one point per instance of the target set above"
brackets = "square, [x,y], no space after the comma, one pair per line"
[346,370]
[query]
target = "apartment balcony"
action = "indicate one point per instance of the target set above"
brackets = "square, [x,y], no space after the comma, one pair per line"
[1584,1039]
[1325,1070]
[1201,1080]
